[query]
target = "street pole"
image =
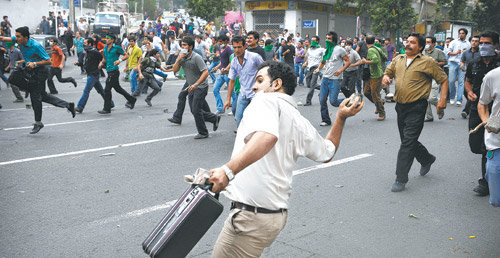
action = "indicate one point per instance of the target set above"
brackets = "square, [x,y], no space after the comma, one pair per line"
[72,14]
[317,27]
[81,8]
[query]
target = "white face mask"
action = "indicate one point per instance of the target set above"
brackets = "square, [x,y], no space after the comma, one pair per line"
[223,45]
[184,51]
[404,43]
[348,48]
[342,44]
[51,43]
[427,47]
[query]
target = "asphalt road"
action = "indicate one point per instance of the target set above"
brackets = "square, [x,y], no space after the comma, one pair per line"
[95,186]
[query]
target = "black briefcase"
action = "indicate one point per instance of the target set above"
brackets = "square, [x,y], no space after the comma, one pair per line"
[20,77]
[184,225]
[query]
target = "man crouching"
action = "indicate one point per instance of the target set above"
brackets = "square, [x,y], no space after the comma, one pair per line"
[258,178]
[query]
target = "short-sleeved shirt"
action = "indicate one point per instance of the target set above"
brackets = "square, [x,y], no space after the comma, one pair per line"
[202,47]
[469,57]
[193,67]
[224,57]
[214,49]
[33,51]
[267,183]
[5,27]
[475,74]
[134,53]
[14,56]
[334,63]
[78,44]
[314,56]
[246,72]
[57,56]
[437,54]
[299,52]
[111,56]
[259,50]
[455,45]
[354,57]
[490,92]
[390,52]
[414,82]
[288,57]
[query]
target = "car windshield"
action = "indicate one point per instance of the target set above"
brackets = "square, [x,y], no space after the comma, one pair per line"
[107,18]
[41,41]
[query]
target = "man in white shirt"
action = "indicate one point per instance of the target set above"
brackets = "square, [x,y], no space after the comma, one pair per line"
[314,57]
[258,178]
[454,51]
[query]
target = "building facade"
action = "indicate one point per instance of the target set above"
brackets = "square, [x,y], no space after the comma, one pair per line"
[24,12]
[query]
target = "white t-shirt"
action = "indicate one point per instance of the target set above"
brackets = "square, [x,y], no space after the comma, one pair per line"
[267,183]
[354,57]
[62,30]
[490,92]
[157,43]
[334,63]
[455,45]
[314,56]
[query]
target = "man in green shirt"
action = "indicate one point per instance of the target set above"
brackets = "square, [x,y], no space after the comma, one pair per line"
[374,86]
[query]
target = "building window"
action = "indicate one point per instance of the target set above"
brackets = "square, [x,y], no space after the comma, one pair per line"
[271,22]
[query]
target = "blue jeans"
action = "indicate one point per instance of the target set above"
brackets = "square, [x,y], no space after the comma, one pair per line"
[240,108]
[92,82]
[234,102]
[456,73]
[299,72]
[218,84]
[212,65]
[329,88]
[133,80]
[493,176]
[160,73]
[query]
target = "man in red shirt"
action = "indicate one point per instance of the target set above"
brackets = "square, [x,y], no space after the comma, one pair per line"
[57,66]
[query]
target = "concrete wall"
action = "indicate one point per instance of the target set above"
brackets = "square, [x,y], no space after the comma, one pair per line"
[24,12]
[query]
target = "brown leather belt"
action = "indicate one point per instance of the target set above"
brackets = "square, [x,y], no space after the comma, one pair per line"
[246,207]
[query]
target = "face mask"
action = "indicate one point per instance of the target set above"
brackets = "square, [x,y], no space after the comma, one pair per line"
[348,48]
[184,51]
[342,44]
[51,44]
[427,47]
[404,43]
[153,59]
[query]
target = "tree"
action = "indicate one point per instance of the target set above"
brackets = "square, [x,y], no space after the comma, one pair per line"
[387,15]
[486,15]
[149,6]
[208,9]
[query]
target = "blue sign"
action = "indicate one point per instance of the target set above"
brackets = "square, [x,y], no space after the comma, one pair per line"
[77,2]
[309,24]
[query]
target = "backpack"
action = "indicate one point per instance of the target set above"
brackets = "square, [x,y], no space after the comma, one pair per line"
[366,69]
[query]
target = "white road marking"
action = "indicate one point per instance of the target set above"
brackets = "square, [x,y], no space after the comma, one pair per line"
[55,124]
[24,108]
[94,150]
[169,204]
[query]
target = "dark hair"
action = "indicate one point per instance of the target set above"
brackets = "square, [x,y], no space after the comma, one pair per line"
[198,36]
[215,39]
[268,42]
[349,42]
[150,39]
[24,31]
[388,39]
[334,35]
[289,39]
[283,71]
[90,41]
[492,35]
[317,38]
[255,34]
[5,16]
[131,37]
[54,39]
[189,40]
[370,39]
[124,35]
[153,52]
[111,35]
[433,39]
[237,39]
[420,40]
[464,30]
[223,38]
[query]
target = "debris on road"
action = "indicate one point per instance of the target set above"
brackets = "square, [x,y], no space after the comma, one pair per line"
[411,215]
[107,154]
[106,191]
[472,236]
[338,186]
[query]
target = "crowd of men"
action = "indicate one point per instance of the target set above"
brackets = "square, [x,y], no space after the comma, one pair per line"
[260,76]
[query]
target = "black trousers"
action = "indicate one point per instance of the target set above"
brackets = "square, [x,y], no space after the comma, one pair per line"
[36,88]
[349,83]
[181,103]
[81,56]
[113,82]
[410,124]
[58,73]
[311,82]
[200,109]
[476,140]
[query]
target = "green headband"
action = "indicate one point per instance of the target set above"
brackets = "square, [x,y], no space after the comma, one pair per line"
[108,36]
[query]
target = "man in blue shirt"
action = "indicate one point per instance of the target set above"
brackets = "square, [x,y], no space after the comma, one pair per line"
[37,62]
[245,66]
[78,44]
[111,58]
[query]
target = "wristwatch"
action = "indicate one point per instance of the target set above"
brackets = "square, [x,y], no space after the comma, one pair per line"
[229,173]
[195,85]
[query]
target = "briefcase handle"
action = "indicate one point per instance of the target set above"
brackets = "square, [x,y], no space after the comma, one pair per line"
[208,187]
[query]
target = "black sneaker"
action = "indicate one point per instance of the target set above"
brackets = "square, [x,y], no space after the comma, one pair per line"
[71,108]
[148,101]
[74,82]
[464,114]
[216,123]
[36,128]
[482,188]
[307,104]
[174,121]
[425,169]
[103,112]
[131,104]
[398,187]
[201,136]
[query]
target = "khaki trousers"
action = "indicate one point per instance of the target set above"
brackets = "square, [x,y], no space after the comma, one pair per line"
[372,92]
[246,234]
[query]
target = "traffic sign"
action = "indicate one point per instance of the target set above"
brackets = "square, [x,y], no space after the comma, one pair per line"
[309,24]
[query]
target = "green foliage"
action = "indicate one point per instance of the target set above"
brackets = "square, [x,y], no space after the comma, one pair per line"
[208,9]
[149,6]
[387,15]
[486,14]
[457,10]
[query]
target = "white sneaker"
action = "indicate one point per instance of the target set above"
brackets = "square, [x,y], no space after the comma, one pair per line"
[323,124]
[452,101]
[459,103]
